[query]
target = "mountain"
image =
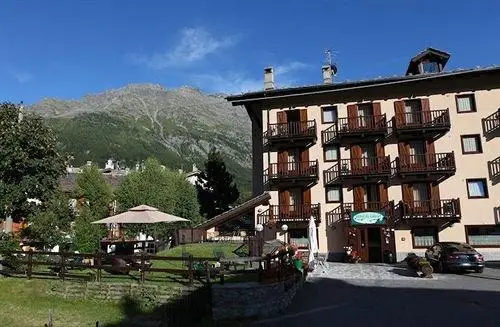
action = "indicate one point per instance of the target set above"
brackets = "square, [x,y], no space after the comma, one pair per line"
[129,124]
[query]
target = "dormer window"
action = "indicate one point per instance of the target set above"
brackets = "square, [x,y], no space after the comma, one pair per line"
[430,67]
[429,61]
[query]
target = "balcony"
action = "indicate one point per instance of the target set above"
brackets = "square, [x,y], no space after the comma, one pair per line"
[329,135]
[491,125]
[361,169]
[428,210]
[424,167]
[353,129]
[494,170]
[304,173]
[344,211]
[290,213]
[431,124]
[292,134]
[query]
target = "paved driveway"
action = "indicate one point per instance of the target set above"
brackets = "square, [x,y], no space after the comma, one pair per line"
[382,295]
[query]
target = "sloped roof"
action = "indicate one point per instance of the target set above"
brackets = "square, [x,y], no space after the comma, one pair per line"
[235,212]
[68,181]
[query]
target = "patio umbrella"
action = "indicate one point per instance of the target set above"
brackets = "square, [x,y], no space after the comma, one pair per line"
[313,240]
[142,214]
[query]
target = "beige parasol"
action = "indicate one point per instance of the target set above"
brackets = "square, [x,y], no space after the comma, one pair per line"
[142,214]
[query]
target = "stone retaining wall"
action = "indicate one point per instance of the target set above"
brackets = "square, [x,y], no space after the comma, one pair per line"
[247,300]
[108,291]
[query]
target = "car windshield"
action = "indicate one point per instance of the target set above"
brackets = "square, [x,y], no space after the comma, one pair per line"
[458,247]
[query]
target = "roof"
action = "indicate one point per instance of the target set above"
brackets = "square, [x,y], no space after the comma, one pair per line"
[343,86]
[68,181]
[236,211]
[439,55]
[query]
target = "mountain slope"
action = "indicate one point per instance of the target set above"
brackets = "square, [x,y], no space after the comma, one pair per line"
[132,123]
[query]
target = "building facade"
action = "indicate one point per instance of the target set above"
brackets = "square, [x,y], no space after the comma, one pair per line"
[389,165]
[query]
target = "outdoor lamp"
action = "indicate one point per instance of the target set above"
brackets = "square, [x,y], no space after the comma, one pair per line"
[284,227]
[259,228]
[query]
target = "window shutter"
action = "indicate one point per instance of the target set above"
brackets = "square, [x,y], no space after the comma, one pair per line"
[284,201]
[383,195]
[352,116]
[306,196]
[281,117]
[282,161]
[426,111]
[407,191]
[377,113]
[356,153]
[399,113]
[359,197]
[435,197]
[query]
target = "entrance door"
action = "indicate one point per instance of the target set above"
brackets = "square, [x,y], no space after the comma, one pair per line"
[370,244]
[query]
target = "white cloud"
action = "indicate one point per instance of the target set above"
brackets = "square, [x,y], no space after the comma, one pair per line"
[239,82]
[194,45]
[23,77]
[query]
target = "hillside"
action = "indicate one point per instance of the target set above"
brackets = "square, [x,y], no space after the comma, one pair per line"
[132,123]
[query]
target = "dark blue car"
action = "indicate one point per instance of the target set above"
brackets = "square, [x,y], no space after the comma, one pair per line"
[454,256]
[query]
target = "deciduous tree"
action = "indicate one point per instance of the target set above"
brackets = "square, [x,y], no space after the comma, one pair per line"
[30,164]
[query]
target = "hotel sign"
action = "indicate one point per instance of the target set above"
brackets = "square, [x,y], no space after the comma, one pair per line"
[368,218]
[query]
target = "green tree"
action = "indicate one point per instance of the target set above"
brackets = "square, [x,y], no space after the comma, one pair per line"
[161,188]
[215,186]
[52,223]
[91,186]
[97,195]
[30,164]
[87,235]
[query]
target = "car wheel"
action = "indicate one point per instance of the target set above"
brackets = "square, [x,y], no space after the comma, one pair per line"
[479,270]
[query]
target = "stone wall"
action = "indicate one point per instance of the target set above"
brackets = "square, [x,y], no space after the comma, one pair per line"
[247,300]
[109,291]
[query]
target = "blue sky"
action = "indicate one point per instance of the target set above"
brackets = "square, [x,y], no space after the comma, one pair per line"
[67,49]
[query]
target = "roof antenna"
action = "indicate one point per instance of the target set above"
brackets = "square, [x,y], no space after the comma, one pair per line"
[329,69]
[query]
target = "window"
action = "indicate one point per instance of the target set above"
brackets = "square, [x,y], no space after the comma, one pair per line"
[370,193]
[331,153]
[417,152]
[430,67]
[420,192]
[485,235]
[334,194]
[471,144]
[329,114]
[424,237]
[412,111]
[365,113]
[477,188]
[466,103]
[295,197]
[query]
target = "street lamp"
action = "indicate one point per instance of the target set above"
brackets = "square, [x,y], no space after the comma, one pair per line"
[259,228]
[284,229]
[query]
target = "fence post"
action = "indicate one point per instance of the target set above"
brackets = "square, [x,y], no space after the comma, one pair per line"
[30,263]
[207,271]
[142,267]
[191,273]
[99,261]
[62,264]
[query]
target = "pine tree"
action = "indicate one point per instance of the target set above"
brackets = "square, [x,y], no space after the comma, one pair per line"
[216,188]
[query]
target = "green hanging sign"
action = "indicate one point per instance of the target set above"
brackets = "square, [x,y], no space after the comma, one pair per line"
[368,218]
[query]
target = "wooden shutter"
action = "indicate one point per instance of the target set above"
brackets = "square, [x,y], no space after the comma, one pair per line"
[281,117]
[377,113]
[356,162]
[430,153]
[426,111]
[352,117]
[407,192]
[284,201]
[380,153]
[282,165]
[303,121]
[383,195]
[399,113]
[304,162]
[404,154]
[359,198]
[434,197]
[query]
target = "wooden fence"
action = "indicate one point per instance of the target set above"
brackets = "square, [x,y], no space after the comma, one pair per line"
[62,263]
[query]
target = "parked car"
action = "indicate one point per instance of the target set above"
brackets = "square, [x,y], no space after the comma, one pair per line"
[454,256]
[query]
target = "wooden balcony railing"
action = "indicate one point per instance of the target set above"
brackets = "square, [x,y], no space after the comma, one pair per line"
[374,166]
[494,168]
[449,208]
[362,124]
[492,122]
[329,135]
[290,130]
[290,213]
[292,170]
[425,163]
[423,119]
[343,212]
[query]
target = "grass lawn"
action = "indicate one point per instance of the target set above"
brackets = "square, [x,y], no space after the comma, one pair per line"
[24,303]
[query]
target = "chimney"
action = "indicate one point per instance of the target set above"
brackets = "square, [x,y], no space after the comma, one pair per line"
[328,71]
[268,78]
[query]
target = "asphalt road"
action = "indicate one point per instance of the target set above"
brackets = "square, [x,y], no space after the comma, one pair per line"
[448,300]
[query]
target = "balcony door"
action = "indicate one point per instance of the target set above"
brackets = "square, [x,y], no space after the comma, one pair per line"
[417,153]
[365,115]
[413,112]
[421,198]
[368,155]
[371,197]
